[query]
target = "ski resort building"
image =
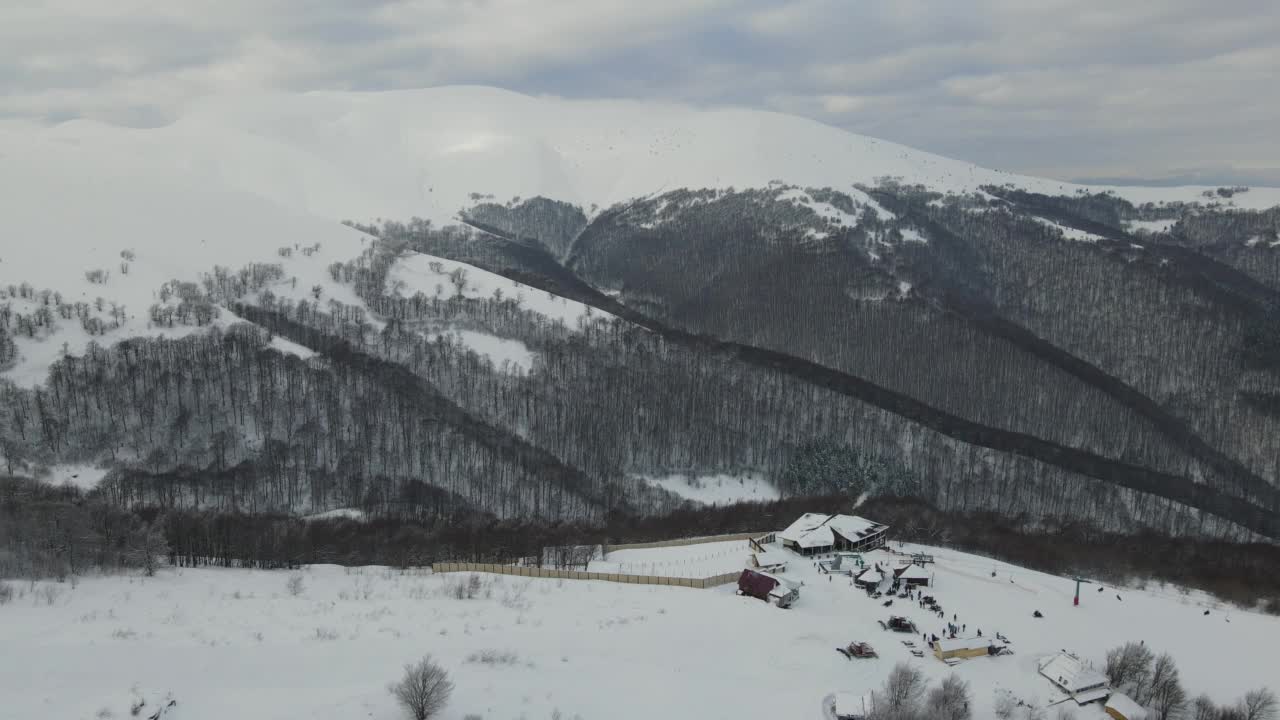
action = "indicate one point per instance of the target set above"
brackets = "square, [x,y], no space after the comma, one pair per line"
[771,560]
[912,575]
[946,649]
[870,578]
[770,588]
[1123,707]
[1074,677]
[820,533]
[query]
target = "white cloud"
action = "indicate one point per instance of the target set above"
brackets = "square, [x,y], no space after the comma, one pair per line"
[1057,86]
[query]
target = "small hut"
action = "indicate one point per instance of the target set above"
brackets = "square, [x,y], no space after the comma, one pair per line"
[960,648]
[1123,707]
[1076,678]
[771,560]
[869,579]
[912,575]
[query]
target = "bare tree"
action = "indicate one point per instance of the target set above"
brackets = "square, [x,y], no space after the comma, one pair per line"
[1164,694]
[901,692]
[1129,667]
[1202,708]
[950,700]
[424,690]
[1260,704]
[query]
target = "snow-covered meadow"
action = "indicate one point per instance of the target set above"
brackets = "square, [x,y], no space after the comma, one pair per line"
[237,643]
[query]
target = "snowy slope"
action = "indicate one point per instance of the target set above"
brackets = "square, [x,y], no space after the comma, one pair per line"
[434,276]
[581,649]
[715,489]
[422,152]
[237,178]
[71,209]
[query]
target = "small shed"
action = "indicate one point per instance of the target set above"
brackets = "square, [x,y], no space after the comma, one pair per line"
[771,560]
[1123,707]
[853,707]
[912,575]
[869,578]
[948,648]
[1076,678]
[770,588]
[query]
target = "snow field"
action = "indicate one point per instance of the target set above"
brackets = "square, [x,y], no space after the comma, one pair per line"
[715,489]
[238,643]
[416,273]
[683,561]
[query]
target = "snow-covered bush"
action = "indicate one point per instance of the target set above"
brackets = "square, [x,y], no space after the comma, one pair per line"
[6,593]
[294,585]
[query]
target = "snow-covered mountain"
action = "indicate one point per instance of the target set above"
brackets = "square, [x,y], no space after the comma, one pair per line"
[1110,350]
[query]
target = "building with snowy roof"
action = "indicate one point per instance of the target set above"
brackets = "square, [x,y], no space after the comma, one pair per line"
[1076,678]
[948,648]
[912,575]
[771,560]
[820,533]
[1123,707]
[869,578]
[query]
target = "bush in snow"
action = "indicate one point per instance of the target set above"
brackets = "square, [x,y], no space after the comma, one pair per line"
[6,593]
[294,585]
[1006,705]
[493,657]
[467,589]
[424,690]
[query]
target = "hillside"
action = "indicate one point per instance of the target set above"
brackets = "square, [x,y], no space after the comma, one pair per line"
[540,302]
[545,648]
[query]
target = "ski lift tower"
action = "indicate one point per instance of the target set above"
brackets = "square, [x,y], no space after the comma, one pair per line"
[1079,580]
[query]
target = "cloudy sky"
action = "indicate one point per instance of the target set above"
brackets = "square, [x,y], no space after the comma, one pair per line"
[1067,89]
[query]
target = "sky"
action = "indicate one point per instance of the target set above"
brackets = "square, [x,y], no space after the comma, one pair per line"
[1157,90]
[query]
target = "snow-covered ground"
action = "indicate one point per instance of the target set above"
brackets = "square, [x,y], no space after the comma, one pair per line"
[81,475]
[1152,226]
[685,561]
[236,643]
[716,489]
[430,275]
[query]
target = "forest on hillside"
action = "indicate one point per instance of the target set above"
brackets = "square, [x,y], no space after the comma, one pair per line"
[958,349]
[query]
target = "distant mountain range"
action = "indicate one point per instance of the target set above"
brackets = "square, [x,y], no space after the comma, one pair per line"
[536,304]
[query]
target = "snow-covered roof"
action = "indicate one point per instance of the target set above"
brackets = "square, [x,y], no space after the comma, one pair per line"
[815,529]
[1088,696]
[1068,672]
[772,558]
[1126,706]
[871,575]
[973,643]
[849,704]
[913,572]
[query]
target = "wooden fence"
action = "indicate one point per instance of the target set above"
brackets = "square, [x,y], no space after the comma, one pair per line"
[533,572]
[691,541]
[536,572]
